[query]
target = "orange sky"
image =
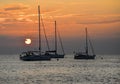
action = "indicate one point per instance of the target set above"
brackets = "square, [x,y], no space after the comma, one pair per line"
[102,17]
[19,20]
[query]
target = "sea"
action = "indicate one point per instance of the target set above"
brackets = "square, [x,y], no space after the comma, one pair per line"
[105,69]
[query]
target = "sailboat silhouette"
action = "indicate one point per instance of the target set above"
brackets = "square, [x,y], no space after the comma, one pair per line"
[85,55]
[54,53]
[36,55]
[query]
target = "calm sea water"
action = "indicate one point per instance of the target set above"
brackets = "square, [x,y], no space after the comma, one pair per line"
[64,71]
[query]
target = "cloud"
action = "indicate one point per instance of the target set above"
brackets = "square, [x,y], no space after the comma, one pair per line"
[1,12]
[14,20]
[100,22]
[14,13]
[100,19]
[89,18]
[51,10]
[17,20]
[16,7]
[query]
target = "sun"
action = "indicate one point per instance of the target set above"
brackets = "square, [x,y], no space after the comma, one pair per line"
[28,41]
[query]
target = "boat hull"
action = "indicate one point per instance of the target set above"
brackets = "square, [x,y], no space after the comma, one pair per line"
[35,58]
[84,57]
[57,56]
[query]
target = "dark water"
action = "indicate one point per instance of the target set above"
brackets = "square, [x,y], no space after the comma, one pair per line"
[103,70]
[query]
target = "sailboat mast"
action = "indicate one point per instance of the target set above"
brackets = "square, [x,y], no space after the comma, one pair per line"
[55,39]
[91,47]
[86,41]
[61,42]
[39,30]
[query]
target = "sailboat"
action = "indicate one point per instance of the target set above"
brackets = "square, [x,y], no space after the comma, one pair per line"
[54,53]
[86,55]
[36,55]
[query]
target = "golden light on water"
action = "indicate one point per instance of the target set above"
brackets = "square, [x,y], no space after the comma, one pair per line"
[28,41]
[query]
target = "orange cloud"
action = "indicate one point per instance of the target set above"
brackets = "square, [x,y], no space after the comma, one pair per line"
[71,17]
[15,13]
[14,7]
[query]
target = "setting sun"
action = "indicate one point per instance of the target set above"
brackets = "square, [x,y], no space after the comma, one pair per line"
[28,41]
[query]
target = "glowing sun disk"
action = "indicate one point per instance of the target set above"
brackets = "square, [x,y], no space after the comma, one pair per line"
[28,41]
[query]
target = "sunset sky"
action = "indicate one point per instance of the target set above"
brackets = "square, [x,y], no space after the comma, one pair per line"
[19,20]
